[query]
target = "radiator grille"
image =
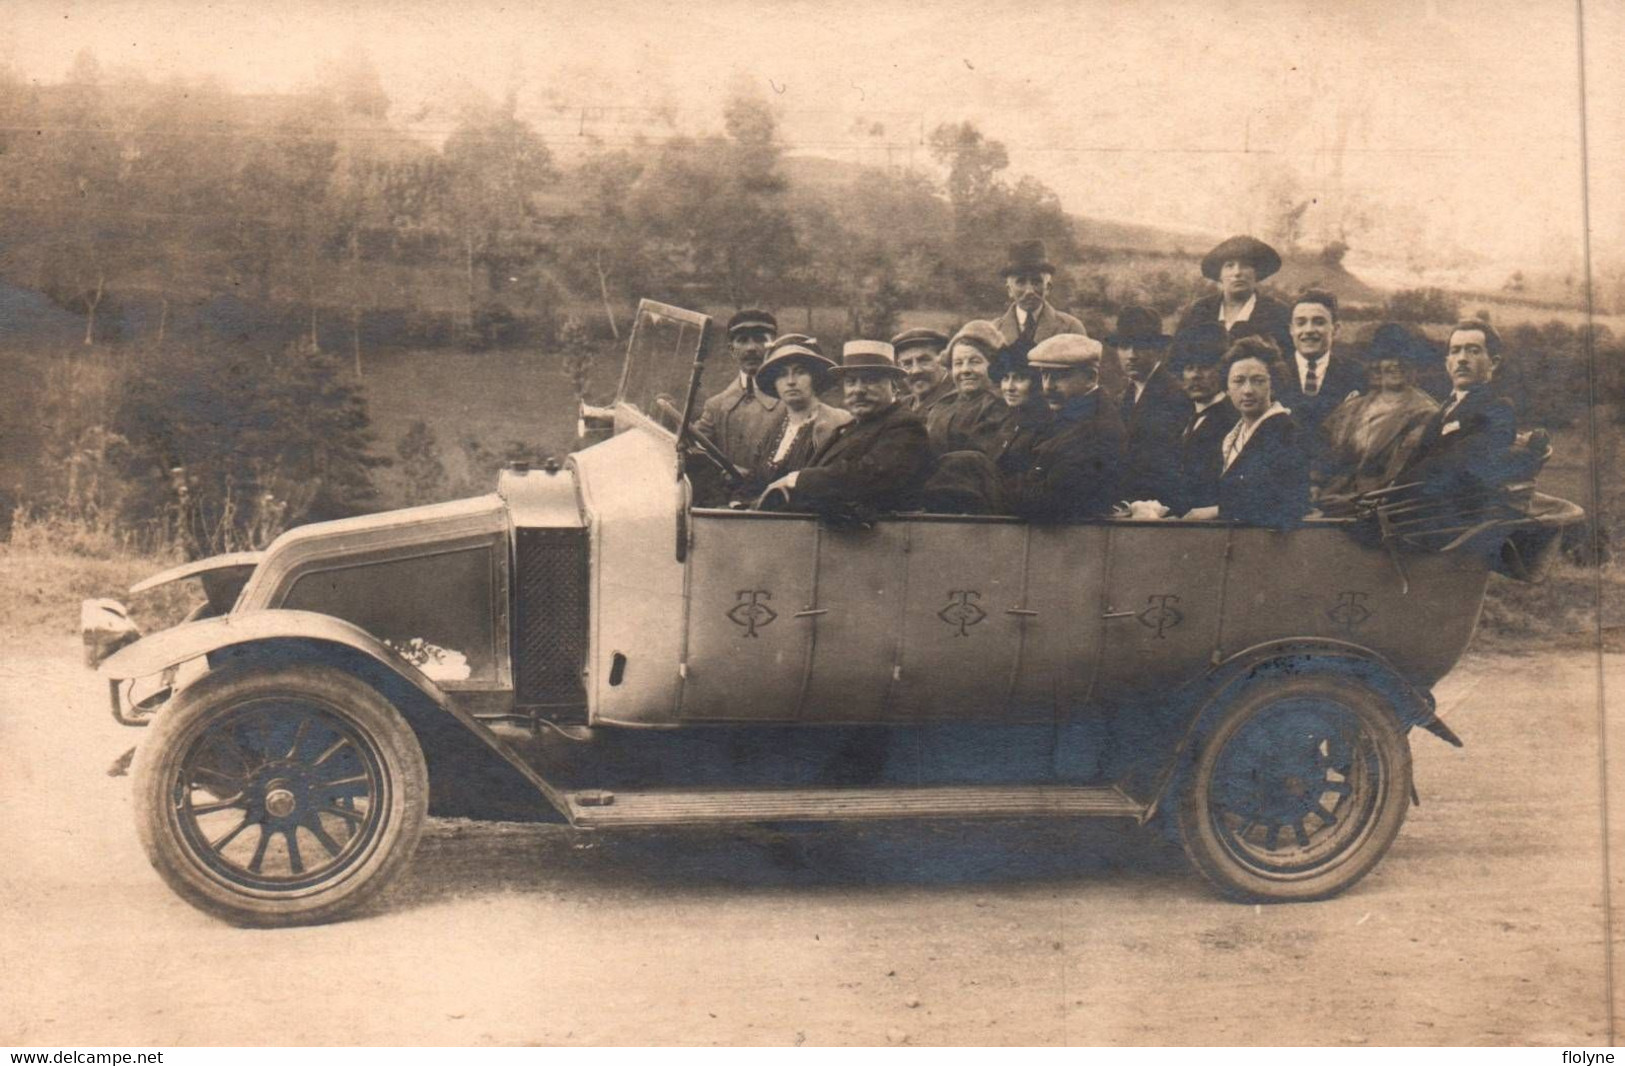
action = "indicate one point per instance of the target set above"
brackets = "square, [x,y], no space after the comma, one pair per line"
[550,616]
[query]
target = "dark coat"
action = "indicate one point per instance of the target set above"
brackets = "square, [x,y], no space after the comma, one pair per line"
[963,422]
[942,390]
[738,423]
[1153,426]
[1051,321]
[1201,456]
[1466,449]
[1269,318]
[874,465]
[1268,483]
[1076,464]
[1344,375]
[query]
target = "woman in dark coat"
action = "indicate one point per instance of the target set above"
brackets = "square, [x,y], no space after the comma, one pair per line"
[1265,479]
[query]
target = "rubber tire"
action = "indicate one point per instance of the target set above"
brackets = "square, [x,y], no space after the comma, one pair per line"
[1230,875]
[340,693]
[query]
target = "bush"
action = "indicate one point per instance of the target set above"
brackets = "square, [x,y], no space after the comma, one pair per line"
[1424,305]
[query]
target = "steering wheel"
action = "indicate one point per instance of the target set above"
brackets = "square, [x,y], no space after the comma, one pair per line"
[703,446]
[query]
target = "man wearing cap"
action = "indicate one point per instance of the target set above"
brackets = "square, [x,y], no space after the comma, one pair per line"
[739,418]
[968,419]
[1154,407]
[1238,265]
[1031,318]
[1076,461]
[1197,355]
[922,356]
[1317,380]
[877,462]
[794,374]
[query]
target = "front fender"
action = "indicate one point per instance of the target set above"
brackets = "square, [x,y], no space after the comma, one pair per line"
[190,640]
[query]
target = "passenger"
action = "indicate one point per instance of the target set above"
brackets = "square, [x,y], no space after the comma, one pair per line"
[1197,355]
[1031,318]
[969,419]
[1366,441]
[1465,447]
[739,418]
[875,463]
[1318,380]
[921,355]
[794,374]
[1076,458]
[1154,407]
[1025,419]
[1265,470]
[1238,265]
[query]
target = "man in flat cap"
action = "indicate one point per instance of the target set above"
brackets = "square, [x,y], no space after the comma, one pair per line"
[922,354]
[1031,318]
[1238,265]
[1076,463]
[739,418]
[873,464]
[1154,407]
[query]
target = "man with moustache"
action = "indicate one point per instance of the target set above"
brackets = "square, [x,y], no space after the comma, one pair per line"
[1197,353]
[1465,447]
[740,417]
[1031,318]
[1317,380]
[1076,461]
[874,464]
[922,356]
[1154,407]
[1238,265]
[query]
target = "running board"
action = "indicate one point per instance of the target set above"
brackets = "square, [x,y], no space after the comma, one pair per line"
[592,809]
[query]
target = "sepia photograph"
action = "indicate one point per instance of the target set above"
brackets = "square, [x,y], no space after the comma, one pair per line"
[1071,524]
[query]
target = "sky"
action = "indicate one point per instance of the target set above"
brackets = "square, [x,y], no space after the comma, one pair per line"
[1437,132]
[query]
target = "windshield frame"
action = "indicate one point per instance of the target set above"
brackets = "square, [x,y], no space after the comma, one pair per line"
[650,419]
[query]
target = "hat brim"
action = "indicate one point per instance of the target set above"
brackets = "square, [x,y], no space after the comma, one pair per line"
[767,378]
[1156,340]
[1265,260]
[894,371]
[1046,267]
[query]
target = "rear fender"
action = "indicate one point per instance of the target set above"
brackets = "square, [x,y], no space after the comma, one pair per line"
[255,638]
[1206,698]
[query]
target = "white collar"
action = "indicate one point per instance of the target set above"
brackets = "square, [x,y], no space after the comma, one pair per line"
[1246,309]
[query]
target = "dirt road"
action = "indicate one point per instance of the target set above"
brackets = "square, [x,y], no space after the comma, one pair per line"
[1483,925]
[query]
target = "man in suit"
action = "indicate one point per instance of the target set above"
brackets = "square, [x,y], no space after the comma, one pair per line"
[1076,462]
[1154,407]
[1197,355]
[922,355]
[739,418]
[874,464]
[1031,318]
[1318,379]
[1238,265]
[1465,448]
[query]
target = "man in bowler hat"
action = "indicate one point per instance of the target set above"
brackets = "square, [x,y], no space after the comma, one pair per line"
[1031,318]
[1238,265]
[1154,407]
[739,418]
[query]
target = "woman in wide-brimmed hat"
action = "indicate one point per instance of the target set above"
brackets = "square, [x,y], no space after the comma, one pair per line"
[795,373]
[1238,264]
[1368,439]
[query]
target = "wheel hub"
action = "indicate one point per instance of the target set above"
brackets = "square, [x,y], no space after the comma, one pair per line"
[280,802]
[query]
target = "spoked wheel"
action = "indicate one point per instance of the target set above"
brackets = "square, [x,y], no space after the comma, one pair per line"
[1300,788]
[278,797]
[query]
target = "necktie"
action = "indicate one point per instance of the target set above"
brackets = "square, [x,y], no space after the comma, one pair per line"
[1311,382]
[1029,328]
[750,386]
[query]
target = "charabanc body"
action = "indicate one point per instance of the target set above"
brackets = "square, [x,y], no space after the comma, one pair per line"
[634,660]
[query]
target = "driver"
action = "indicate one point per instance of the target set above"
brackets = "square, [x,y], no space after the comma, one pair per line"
[875,463]
[739,418]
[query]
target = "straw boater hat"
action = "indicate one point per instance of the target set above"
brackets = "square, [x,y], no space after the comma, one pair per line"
[1138,327]
[868,355]
[1265,260]
[1064,351]
[786,355]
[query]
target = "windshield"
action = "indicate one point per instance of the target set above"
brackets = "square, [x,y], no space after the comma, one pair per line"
[662,361]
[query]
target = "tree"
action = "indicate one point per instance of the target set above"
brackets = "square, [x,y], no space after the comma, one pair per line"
[603,243]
